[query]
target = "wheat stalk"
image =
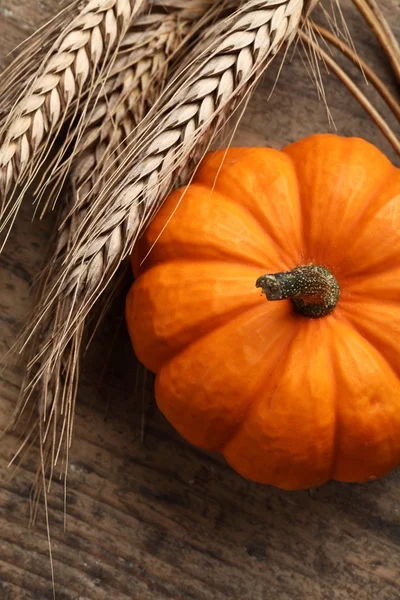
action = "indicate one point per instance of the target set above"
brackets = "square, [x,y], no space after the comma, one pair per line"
[34,49]
[376,117]
[70,71]
[131,89]
[373,15]
[368,72]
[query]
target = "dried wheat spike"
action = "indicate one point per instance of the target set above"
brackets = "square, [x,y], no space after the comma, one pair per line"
[69,72]
[30,54]
[221,76]
[132,86]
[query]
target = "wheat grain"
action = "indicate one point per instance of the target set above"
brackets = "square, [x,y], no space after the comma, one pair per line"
[72,68]
[56,377]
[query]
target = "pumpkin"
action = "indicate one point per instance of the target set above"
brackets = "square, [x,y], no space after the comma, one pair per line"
[267,301]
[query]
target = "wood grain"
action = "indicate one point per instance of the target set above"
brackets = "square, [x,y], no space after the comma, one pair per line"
[160,520]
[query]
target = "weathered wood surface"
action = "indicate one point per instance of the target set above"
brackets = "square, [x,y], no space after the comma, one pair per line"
[162,520]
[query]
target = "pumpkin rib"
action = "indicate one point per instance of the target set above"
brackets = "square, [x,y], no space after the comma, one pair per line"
[307,149]
[279,362]
[172,398]
[366,336]
[337,362]
[303,196]
[303,219]
[377,191]
[369,293]
[247,458]
[372,341]
[382,266]
[171,234]
[199,338]
[336,427]
[192,331]
[288,261]
[223,170]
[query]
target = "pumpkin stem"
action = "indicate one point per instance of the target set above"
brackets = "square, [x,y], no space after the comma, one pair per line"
[312,289]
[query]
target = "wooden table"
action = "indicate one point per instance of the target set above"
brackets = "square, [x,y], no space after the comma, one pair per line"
[159,519]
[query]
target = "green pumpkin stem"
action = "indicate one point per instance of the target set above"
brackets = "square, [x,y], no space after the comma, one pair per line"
[312,289]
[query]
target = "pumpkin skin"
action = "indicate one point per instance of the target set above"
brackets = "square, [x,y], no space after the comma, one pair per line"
[288,400]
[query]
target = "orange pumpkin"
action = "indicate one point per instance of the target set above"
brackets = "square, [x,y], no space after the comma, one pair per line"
[293,377]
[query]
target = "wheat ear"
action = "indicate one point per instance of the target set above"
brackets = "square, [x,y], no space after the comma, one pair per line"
[220,78]
[27,56]
[70,71]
